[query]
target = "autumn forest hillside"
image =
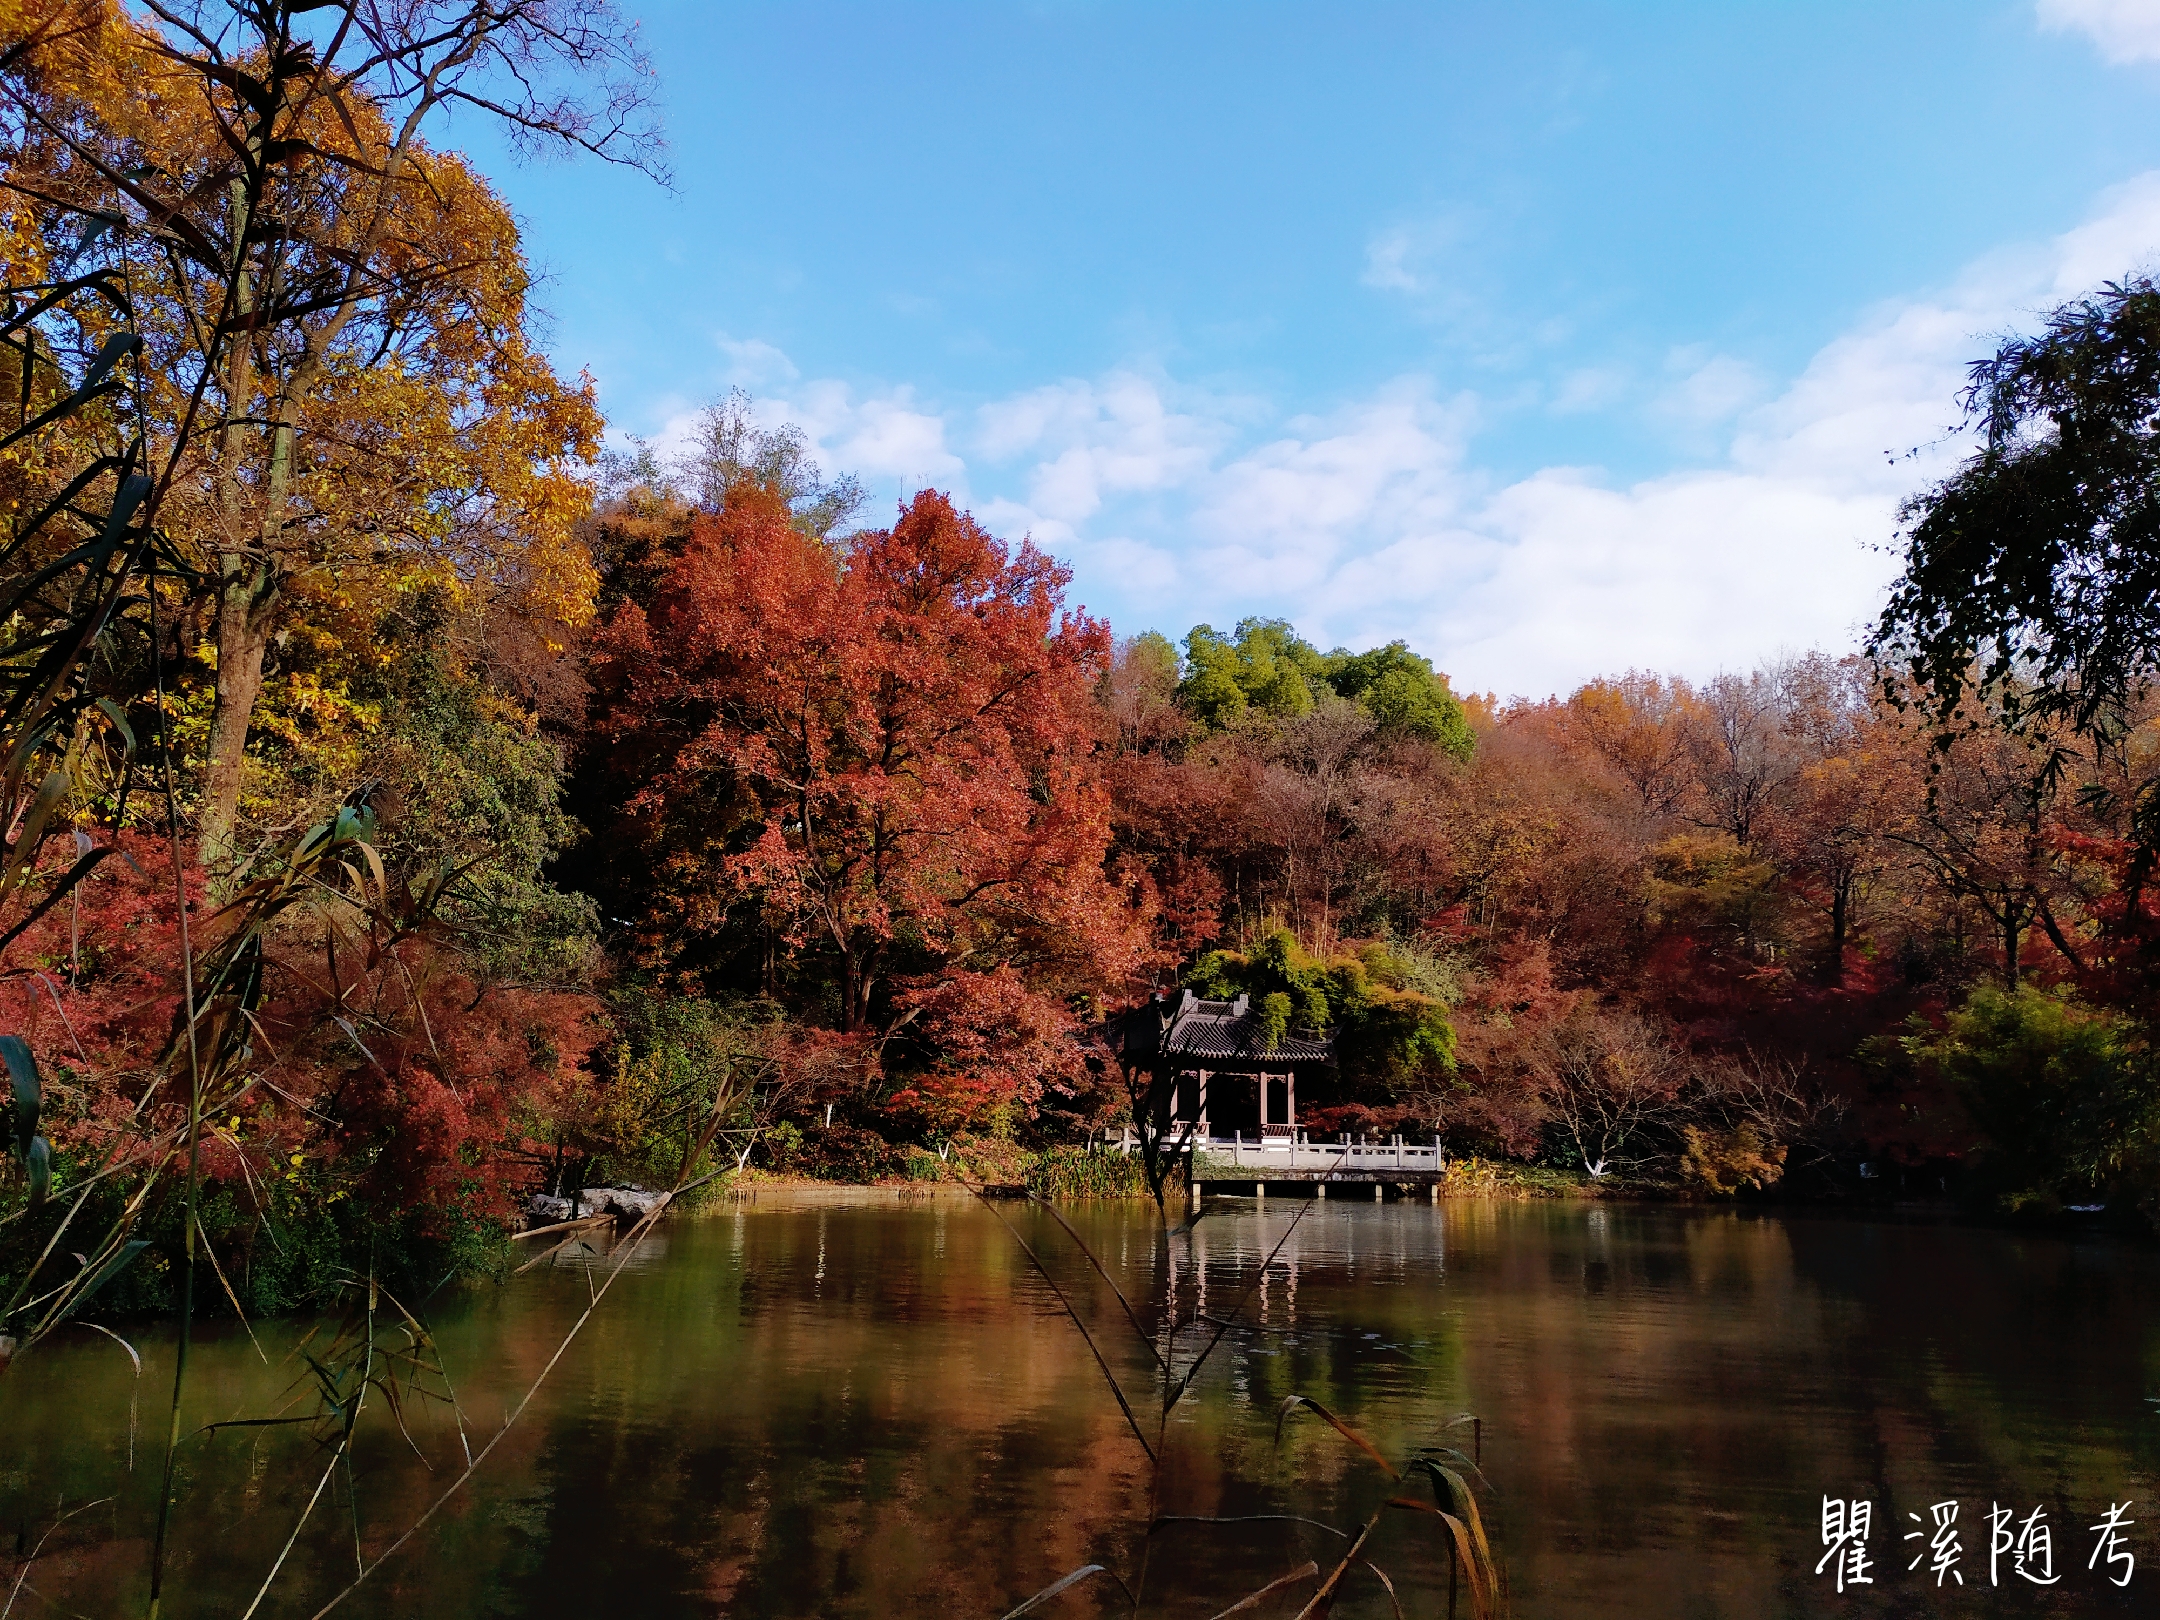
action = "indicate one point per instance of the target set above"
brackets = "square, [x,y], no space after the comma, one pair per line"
[411,806]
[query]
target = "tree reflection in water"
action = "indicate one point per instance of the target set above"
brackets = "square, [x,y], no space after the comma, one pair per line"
[1667,1396]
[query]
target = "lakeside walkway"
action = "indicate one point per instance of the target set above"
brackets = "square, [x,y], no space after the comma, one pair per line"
[1297,1158]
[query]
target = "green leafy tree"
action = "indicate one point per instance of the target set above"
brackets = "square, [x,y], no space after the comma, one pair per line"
[1402,691]
[1386,1029]
[2067,1095]
[2032,573]
[1266,666]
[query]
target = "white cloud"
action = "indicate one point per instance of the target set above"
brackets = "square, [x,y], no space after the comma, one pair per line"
[1435,261]
[884,438]
[753,363]
[1378,525]
[1086,440]
[887,438]
[1782,545]
[2125,30]
[1290,505]
[1589,388]
[1372,520]
[1387,262]
[1707,389]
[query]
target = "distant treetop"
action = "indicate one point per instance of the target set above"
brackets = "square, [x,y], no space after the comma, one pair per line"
[1267,667]
[727,448]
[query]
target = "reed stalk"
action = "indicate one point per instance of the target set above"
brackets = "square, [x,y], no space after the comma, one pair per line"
[1173,1375]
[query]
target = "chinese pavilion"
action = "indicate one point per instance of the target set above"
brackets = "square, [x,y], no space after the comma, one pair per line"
[1193,1046]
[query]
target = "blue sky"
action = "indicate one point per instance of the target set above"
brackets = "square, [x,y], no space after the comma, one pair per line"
[1554,338]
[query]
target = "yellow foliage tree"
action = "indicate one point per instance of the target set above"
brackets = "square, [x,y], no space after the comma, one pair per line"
[339,363]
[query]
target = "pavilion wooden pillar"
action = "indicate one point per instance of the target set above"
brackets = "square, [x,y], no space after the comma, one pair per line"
[1290,1102]
[1200,1126]
[1262,1079]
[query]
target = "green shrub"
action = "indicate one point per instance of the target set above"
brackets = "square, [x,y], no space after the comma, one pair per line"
[2067,1096]
[842,1152]
[1085,1172]
[285,1247]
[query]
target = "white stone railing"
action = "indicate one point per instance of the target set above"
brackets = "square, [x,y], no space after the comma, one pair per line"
[1301,1153]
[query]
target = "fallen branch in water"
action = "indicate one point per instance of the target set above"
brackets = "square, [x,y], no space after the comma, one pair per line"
[560,1226]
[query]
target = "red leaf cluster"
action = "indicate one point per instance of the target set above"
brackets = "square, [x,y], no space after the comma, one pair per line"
[880,757]
[414,1089]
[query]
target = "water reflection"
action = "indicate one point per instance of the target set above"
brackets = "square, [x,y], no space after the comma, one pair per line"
[863,1408]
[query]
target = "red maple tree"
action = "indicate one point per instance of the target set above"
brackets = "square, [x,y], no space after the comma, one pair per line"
[884,751]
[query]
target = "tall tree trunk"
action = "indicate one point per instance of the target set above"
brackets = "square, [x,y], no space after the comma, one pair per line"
[1840,906]
[858,977]
[247,606]
[242,637]
[240,640]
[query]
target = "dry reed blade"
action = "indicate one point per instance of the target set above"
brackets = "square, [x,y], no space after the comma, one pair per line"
[1484,1583]
[1243,1518]
[1460,1501]
[1292,1402]
[1323,1601]
[624,1250]
[1462,1464]
[1172,1396]
[1083,1573]
[23,1575]
[1094,1349]
[559,1226]
[234,1299]
[1477,1433]
[1304,1572]
[134,1389]
[449,1395]
[1080,1243]
[551,1252]
[116,1339]
[286,1551]
[1381,1576]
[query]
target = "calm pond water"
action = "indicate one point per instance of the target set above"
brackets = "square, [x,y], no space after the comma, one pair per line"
[859,1406]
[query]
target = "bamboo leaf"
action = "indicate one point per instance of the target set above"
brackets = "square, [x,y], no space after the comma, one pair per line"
[50,792]
[28,1092]
[1293,1402]
[133,491]
[1305,1571]
[40,1163]
[110,353]
[122,1258]
[113,712]
[1084,1572]
[98,226]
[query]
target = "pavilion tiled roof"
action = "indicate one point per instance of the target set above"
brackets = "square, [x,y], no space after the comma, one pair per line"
[1226,1035]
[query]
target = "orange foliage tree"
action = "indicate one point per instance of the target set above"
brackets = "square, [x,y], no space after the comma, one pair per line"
[341,374]
[870,766]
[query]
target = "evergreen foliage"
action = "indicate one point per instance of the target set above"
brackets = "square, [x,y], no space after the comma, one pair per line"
[1266,668]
